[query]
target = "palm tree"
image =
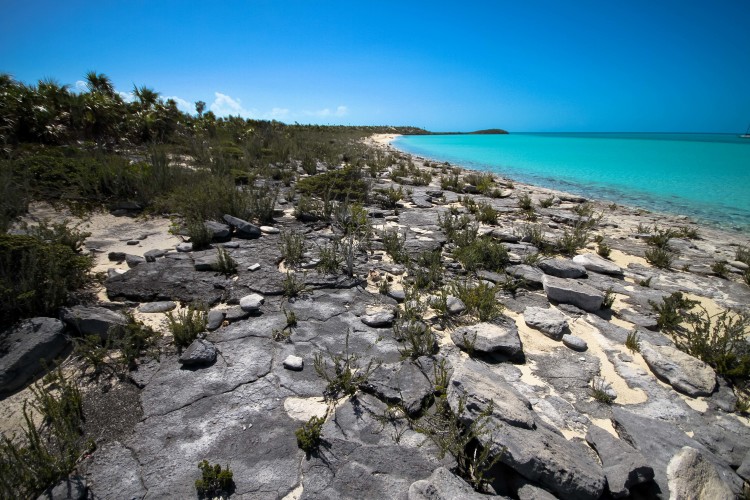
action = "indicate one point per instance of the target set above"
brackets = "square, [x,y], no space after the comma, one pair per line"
[99,83]
[146,97]
[200,107]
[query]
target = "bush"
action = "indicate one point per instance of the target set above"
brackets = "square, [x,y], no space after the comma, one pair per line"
[308,436]
[292,247]
[603,250]
[427,270]
[600,391]
[346,184]
[186,325]
[200,235]
[525,203]
[293,287]
[344,374]
[483,253]
[416,337]
[330,258]
[215,481]
[720,269]
[225,264]
[36,278]
[660,257]
[633,342]
[393,243]
[388,198]
[479,299]
[128,342]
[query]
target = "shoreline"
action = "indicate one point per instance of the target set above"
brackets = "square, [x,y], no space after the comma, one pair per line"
[729,227]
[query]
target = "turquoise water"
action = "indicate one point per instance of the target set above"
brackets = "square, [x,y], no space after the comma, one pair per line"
[705,176]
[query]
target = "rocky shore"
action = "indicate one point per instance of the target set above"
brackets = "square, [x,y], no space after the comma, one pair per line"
[558,402]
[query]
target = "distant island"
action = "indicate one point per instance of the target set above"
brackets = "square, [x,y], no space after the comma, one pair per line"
[489,131]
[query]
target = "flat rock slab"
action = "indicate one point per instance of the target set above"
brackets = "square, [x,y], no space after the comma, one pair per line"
[199,353]
[532,276]
[575,292]
[498,337]
[478,385]
[690,475]
[24,345]
[400,383]
[550,322]
[444,485]
[597,264]
[623,465]
[562,268]
[683,372]
[157,307]
[206,261]
[92,320]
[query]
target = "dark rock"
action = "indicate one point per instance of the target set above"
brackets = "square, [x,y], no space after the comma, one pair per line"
[455,305]
[623,465]
[479,385]
[498,337]
[242,229]
[70,488]
[562,268]
[215,319]
[24,345]
[236,313]
[116,256]
[134,260]
[568,291]
[531,275]
[685,373]
[157,307]
[399,383]
[92,320]
[206,261]
[114,468]
[219,232]
[550,322]
[132,242]
[154,254]
[199,353]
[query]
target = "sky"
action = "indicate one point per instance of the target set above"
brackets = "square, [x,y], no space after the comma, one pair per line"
[637,66]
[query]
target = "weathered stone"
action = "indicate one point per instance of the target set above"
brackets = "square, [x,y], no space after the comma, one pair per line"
[568,291]
[443,485]
[532,276]
[682,371]
[70,488]
[253,267]
[550,322]
[116,256]
[215,319]
[744,469]
[242,228]
[499,337]
[692,477]
[92,320]
[455,305]
[382,319]
[200,352]
[575,343]
[397,294]
[269,230]
[251,303]
[157,307]
[24,345]
[152,255]
[479,385]
[562,268]
[115,469]
[134,260]
[132,242]
[206,261]
[399,383]
[295,363]
[185,246]
[505,236]
[623,465]
[597,264]
[219,231]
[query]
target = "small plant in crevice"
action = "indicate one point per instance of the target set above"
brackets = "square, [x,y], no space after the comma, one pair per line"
[646,283]
[293,286]
[329,258]
[308,436]
[342,372]
[601,391]
[720,269]
[384,286]
[672,310]
[393,242]
[215,482]
[416,338]
[292,247]
[525,203]
[742,254]
[479,299]
[547,202]
[660,257]
[186,325]
[603,250]
[609,299]
[633,342]
[225,264]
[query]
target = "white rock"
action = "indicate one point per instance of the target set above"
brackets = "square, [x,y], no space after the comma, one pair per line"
[252,302]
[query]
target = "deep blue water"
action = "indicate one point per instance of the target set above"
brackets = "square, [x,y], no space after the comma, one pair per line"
[705,176]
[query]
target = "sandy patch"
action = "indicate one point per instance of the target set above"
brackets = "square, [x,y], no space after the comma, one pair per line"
[383,139]
[303,409]
[622,259]
[533,341]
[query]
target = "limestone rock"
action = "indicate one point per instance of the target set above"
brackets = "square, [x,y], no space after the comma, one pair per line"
[550,322]
[443,485]
[215,319]
[24,345]
[92,320]
[242,228]
[382,319]
[399,383]
[623,465]
[134,260]
[455,305]
[692,477]
[575,343]
[498,337]
[70,488]
[157,307]
[683,372]
[293,362]
[474,381]
[200,352]
[597,264]
[562,268]
[531,275]
[184,247]
[251,303]
[568,291]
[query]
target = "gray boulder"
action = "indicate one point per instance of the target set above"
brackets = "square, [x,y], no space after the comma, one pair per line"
[152,255]
[382,319]
[399,383]
[134,260]
[215,319]
[498,337]
[692,477]
[185,246]
[597,264]
[477,385]
[575,343]
[531,275]
[219,231]
[23,346]
[443,485]
[683,372]
[550,322]
[455,305]
[242,228]
[251,303]
[623,465]
[568,291]
[562,268]
[199,353]
[70,488]
[157,307]
[92,320]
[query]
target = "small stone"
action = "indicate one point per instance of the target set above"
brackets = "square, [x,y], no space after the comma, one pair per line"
[200,352]
[269,230]
[381,319]
[252,302]
[397,294]
[455,305]
[154,254]
[294,363]
[253,267]
[242,228]
[215,319]
[231,244]
[157,307]
[116,256]
[235,313]
[575,343]
[134,260]
[132,242]
[184,247]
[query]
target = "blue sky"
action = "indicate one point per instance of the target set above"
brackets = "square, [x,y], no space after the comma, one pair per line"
[523,66]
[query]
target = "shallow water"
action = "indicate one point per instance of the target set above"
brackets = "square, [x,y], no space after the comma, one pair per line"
[705,176]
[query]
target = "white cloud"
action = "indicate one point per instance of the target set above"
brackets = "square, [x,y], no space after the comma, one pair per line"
[182,104]
[225,105]
[341,111]
[81,86]
[126,96]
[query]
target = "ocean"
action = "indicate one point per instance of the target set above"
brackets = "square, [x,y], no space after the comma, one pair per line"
[704,176]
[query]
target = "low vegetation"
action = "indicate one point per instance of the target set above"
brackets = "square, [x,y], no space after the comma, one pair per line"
[186,324]
[215,482]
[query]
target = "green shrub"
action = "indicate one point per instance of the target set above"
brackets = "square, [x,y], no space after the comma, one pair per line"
[346,184]
[743,254]
[660,257]
[427,270]
[416,337]
[689,233]
[451,183]
[672,311]
[330,258]
[215,481]
[659,238]
[45,453]
[547,202]
[603,250]
[388,198]
[292,247]
[720,269]
[600,391]
[572,240]
[225,264]
[308,436]
[483,253]
[479,299]
[200,235]
[609,299]
[186,325]
[343,375]
[525,203]
[292,286]
[58,233]
[14,194]
[633,342]
[394,244]
[36,278]
[486,214]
